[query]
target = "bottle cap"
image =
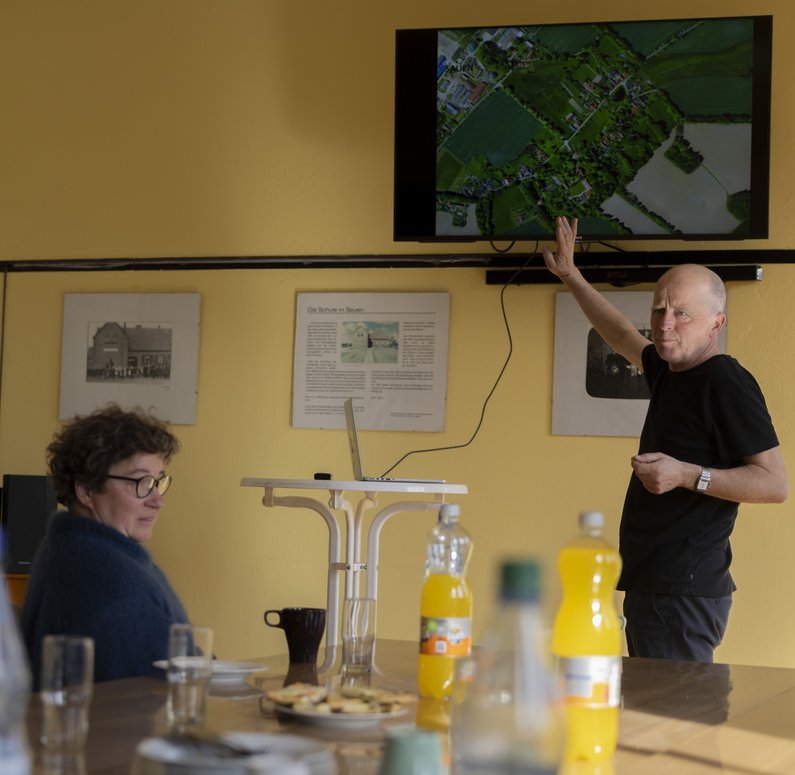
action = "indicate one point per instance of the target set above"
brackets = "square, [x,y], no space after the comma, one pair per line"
[520,580]
[592,520]
[449,511]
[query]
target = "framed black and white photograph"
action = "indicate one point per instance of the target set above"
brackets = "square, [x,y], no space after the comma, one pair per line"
[596,391]
[134,349]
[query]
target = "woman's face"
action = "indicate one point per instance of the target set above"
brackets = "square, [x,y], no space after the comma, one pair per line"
[117,505]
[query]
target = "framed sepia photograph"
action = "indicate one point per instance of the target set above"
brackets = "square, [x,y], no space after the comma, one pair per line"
[596,391]
[134,349]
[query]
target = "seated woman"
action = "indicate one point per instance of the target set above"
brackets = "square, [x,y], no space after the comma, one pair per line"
[91,575]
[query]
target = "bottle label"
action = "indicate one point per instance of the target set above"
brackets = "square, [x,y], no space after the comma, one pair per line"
[594,682]
[446,636]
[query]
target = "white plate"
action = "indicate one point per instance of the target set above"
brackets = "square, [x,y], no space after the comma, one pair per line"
[234,671]
[224,671]
[161,755]
[234,690]
[317,756]
[339,720]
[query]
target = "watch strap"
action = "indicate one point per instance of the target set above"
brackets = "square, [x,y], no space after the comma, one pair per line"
[702,483]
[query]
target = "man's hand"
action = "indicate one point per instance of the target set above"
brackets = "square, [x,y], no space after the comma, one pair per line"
[661,473]
[762,478]
[561,263]
[611,323]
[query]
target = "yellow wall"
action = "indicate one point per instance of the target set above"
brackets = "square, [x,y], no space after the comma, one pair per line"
[264,127]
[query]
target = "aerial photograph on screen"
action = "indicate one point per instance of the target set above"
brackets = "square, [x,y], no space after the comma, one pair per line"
[637,128]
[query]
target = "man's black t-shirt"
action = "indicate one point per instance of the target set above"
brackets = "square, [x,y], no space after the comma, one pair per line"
[712,415]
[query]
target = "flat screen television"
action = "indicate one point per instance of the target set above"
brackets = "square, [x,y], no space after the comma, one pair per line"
[641,129]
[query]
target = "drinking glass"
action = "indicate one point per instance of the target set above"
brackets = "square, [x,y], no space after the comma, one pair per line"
[358,636]
[67,682]
[415,751]
[190,666]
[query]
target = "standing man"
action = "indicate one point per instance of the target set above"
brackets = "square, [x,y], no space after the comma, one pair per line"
[707,445]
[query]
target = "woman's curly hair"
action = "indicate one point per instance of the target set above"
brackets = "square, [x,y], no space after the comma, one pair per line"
[85,448]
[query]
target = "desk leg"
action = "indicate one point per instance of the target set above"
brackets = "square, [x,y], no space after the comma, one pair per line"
[368,502]
[333,585]
[375,533]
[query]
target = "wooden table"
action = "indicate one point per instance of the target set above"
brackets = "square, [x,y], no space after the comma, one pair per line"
[679,718]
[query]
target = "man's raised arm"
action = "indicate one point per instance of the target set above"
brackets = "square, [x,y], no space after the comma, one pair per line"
[613,326]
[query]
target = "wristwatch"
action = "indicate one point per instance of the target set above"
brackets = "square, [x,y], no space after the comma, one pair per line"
[702,483]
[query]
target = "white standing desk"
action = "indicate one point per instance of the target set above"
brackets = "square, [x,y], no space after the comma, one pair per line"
[353,563]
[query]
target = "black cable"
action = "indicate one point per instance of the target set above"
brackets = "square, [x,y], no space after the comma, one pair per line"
[505,250]
[617,248]
[496,382]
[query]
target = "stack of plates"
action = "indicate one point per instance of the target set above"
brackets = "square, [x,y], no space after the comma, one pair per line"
[272,754]
[224,671]
[233,672]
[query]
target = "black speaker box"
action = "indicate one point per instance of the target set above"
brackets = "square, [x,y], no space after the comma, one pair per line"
[28,502]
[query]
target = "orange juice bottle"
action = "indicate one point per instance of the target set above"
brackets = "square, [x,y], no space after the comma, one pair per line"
[445,605]
[586,637]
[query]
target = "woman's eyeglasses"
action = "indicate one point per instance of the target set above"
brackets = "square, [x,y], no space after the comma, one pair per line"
[145,484]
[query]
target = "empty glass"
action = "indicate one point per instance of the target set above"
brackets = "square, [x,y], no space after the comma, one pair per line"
[190,667]
[67,682]
[358,637]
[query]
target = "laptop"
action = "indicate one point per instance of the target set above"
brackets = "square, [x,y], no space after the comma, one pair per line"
[356,457]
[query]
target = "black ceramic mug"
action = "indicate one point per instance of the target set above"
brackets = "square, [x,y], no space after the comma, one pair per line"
[303,628]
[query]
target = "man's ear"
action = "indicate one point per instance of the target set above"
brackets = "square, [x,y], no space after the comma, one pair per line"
[720,322]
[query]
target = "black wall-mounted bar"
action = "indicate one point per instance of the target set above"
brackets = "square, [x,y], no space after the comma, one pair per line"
[587,258]
[618,276]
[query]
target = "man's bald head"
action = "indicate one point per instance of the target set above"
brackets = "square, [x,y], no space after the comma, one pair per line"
[713,288]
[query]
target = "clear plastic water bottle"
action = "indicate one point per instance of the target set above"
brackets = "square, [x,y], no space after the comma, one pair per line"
[14,689]
[508,718]
[445,605]
[587,640]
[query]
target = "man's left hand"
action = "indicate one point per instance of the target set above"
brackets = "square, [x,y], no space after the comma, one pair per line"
[661,473]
